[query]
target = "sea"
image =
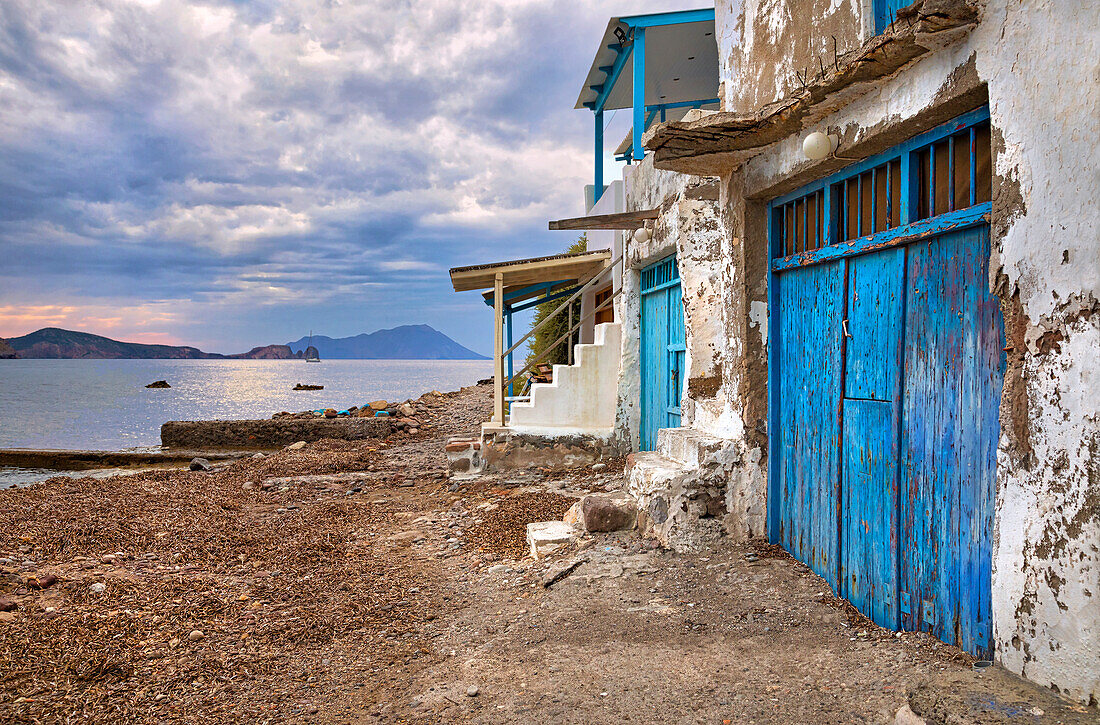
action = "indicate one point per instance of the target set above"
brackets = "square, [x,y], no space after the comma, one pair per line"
[104,404]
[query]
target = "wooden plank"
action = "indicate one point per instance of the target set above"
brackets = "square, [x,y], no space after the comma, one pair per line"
[954,371]
[523,272]
[810,311]
[872,355]
[498,350]
[622,220]
[869,520]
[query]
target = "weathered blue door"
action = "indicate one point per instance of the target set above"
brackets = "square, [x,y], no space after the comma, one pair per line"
[662,350]
[886,365]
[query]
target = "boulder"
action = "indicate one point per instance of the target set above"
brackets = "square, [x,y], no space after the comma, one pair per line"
[331,413]
[378,405]
[159,384]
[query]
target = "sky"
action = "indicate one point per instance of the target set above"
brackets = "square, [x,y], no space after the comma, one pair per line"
[229,174]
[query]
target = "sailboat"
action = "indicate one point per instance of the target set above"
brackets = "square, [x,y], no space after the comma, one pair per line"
[312,355]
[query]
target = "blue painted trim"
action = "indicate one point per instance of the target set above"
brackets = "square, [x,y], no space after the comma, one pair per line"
[664,285]
[639,93]
[598,188]
[622,54]
[952,221]
[683,104]
[674,18]
[939,132]
[525,290]
[772,504]
[533,303]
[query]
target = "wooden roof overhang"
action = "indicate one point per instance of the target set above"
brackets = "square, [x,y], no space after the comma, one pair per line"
[721,141]
[629,220]
[523,272]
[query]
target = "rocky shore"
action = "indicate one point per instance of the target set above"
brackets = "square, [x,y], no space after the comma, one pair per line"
[357,582]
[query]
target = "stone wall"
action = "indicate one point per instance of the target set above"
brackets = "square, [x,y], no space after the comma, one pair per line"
[214,434]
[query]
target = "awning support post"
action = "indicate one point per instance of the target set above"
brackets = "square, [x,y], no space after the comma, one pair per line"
[597,191]
[498,350]
[508,337]
[639,93]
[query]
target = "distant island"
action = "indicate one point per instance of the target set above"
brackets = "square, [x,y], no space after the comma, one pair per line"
[411,342]
[408,342]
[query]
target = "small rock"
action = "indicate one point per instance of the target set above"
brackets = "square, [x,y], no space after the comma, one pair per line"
[161,697]
[199,464]
[195,635]
[8,605]
[497,569]
[472,691]
[42,582]
[599,466]
[330,413]
[906,716]
[378,405]
[296,446]
[248,485]
[413,431]
[258,455]
[98,588]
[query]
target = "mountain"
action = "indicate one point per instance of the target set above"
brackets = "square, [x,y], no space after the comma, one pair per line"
[407,342]
[53,342]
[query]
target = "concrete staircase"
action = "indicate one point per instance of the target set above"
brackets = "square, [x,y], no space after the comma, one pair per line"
[682,488]
[582,398]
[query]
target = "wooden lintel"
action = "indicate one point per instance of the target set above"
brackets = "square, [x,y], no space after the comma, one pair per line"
[625,220]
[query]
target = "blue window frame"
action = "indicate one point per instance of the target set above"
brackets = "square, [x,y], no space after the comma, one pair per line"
[934,181]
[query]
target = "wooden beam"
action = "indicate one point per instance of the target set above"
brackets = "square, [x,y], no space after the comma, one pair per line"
[625,220]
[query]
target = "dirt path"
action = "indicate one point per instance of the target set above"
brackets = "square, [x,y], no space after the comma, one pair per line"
[361,585]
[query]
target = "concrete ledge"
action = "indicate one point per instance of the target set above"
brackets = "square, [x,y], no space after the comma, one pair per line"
[62,460]
[215,434]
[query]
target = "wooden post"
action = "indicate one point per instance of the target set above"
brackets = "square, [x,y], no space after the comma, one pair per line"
[498,350]
[569,337]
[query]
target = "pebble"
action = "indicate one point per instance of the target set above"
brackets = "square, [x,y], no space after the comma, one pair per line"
[472,691]
[599,466]
[296,446]
[258,455]
[98,587]
[248,485]
[196,635]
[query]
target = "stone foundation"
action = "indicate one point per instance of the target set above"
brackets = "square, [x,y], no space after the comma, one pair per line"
[505,450]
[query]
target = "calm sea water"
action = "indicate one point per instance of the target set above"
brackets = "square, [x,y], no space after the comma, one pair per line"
[103,404]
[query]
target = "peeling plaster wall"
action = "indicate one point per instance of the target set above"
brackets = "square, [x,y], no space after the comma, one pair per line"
[762,44]
[1038,65]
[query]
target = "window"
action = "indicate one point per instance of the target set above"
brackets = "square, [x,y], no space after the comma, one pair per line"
[886,11]
[947,170]
[607,314]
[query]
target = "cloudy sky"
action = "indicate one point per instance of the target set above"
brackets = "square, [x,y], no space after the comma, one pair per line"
[229,174]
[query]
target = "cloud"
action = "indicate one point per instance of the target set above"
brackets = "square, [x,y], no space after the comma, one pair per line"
[283,162]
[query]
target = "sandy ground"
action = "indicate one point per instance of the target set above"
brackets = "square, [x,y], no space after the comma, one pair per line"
[355,583]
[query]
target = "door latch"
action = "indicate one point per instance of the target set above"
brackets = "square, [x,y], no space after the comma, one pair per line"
[845,323]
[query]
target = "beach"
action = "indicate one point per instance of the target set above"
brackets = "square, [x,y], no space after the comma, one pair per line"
[356,582]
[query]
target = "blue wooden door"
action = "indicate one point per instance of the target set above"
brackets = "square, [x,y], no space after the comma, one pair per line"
[892,366]
[662,350]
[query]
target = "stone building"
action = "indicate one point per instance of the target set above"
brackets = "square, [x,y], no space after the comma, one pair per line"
[857,275]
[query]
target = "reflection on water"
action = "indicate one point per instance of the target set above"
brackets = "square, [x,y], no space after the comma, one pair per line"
[103,404]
